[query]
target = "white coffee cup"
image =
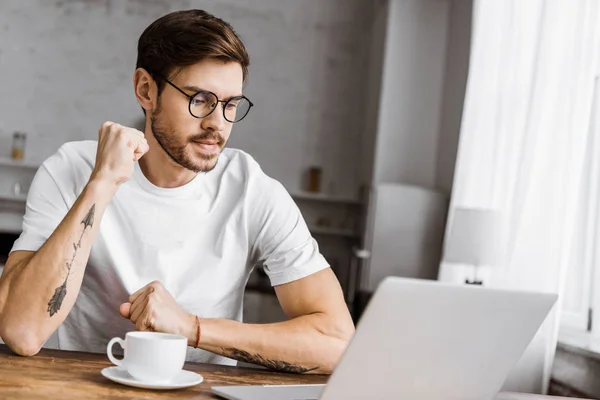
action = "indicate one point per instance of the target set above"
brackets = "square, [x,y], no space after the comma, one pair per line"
[150,356]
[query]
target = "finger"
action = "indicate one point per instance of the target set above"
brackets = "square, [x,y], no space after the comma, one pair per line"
[134,133]
[104,127]
[137,308]
[139,292]
[138,156]
[140,146]
[139,304]
[141,149]
[140,134]
[124,310]
[145,321]
[142,139]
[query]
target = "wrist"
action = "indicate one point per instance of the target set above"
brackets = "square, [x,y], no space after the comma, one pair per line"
[200,326]
[102,184]
[190,330]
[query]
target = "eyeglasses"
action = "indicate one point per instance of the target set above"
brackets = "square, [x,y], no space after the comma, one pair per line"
[204,102]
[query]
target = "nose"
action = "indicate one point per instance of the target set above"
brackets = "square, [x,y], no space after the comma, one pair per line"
[215,121]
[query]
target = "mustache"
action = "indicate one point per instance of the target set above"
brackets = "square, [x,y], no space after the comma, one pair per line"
[207,136]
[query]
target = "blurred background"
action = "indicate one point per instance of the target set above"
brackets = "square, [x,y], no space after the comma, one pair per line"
[349,95]
[361,108]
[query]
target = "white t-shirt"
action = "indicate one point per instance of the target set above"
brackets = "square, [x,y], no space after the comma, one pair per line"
[200,240]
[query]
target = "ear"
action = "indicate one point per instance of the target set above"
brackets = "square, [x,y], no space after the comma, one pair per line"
[145,89]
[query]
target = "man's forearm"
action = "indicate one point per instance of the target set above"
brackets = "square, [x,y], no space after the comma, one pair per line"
[306,344]
[37,293]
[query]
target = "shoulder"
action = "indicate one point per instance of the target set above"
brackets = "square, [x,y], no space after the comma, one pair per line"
[70,167]
[80,154]
[239,160]
[238,163]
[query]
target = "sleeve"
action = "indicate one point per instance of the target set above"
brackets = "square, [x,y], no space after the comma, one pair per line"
[45,209]
[284,245]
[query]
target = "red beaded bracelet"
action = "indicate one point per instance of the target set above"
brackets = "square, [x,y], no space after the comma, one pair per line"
[198,339]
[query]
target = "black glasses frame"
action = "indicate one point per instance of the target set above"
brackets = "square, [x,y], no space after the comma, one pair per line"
[225,102]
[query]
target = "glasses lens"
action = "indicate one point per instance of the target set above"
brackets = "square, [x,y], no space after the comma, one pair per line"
[202,104]
[236,109]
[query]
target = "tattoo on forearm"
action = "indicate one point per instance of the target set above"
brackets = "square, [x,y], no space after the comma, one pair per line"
[283,366]
[61,291]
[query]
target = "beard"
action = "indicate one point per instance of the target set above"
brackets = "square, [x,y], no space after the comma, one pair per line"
[175,146]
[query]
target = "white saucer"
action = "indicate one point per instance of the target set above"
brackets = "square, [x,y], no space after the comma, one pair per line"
[182,380]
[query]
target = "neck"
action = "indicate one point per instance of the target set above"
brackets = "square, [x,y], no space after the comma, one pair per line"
[160,169]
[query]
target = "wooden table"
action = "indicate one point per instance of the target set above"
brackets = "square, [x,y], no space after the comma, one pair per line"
[56,374]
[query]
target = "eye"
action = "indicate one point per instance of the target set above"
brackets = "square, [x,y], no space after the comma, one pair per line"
[204,100]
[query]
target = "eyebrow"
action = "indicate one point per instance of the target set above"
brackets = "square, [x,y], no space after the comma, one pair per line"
[196,89]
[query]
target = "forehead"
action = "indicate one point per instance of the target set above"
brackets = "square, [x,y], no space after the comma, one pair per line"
[225,79]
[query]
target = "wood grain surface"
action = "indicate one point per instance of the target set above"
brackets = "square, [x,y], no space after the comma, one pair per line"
[57,374]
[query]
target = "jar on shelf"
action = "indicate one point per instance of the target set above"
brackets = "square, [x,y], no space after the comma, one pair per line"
[314,179]
[18,148]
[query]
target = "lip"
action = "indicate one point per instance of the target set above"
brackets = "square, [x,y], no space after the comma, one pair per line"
[209,146]
[208,142]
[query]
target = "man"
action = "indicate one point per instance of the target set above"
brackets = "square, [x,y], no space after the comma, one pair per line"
[177,223]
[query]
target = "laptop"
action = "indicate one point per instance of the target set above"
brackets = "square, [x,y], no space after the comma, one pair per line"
[425,340]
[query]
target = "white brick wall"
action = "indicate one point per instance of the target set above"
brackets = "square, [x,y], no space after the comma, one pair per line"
[67,67]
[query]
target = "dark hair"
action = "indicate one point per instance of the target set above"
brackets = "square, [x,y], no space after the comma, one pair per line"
[183,38]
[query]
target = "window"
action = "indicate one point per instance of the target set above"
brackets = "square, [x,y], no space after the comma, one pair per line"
[581,301]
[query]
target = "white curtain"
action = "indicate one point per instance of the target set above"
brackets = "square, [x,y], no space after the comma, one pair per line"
[523,143]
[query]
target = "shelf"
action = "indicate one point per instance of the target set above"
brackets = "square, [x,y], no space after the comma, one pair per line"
[9,162]
[326,231]
[324,197]
[13,197]
[10,222]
